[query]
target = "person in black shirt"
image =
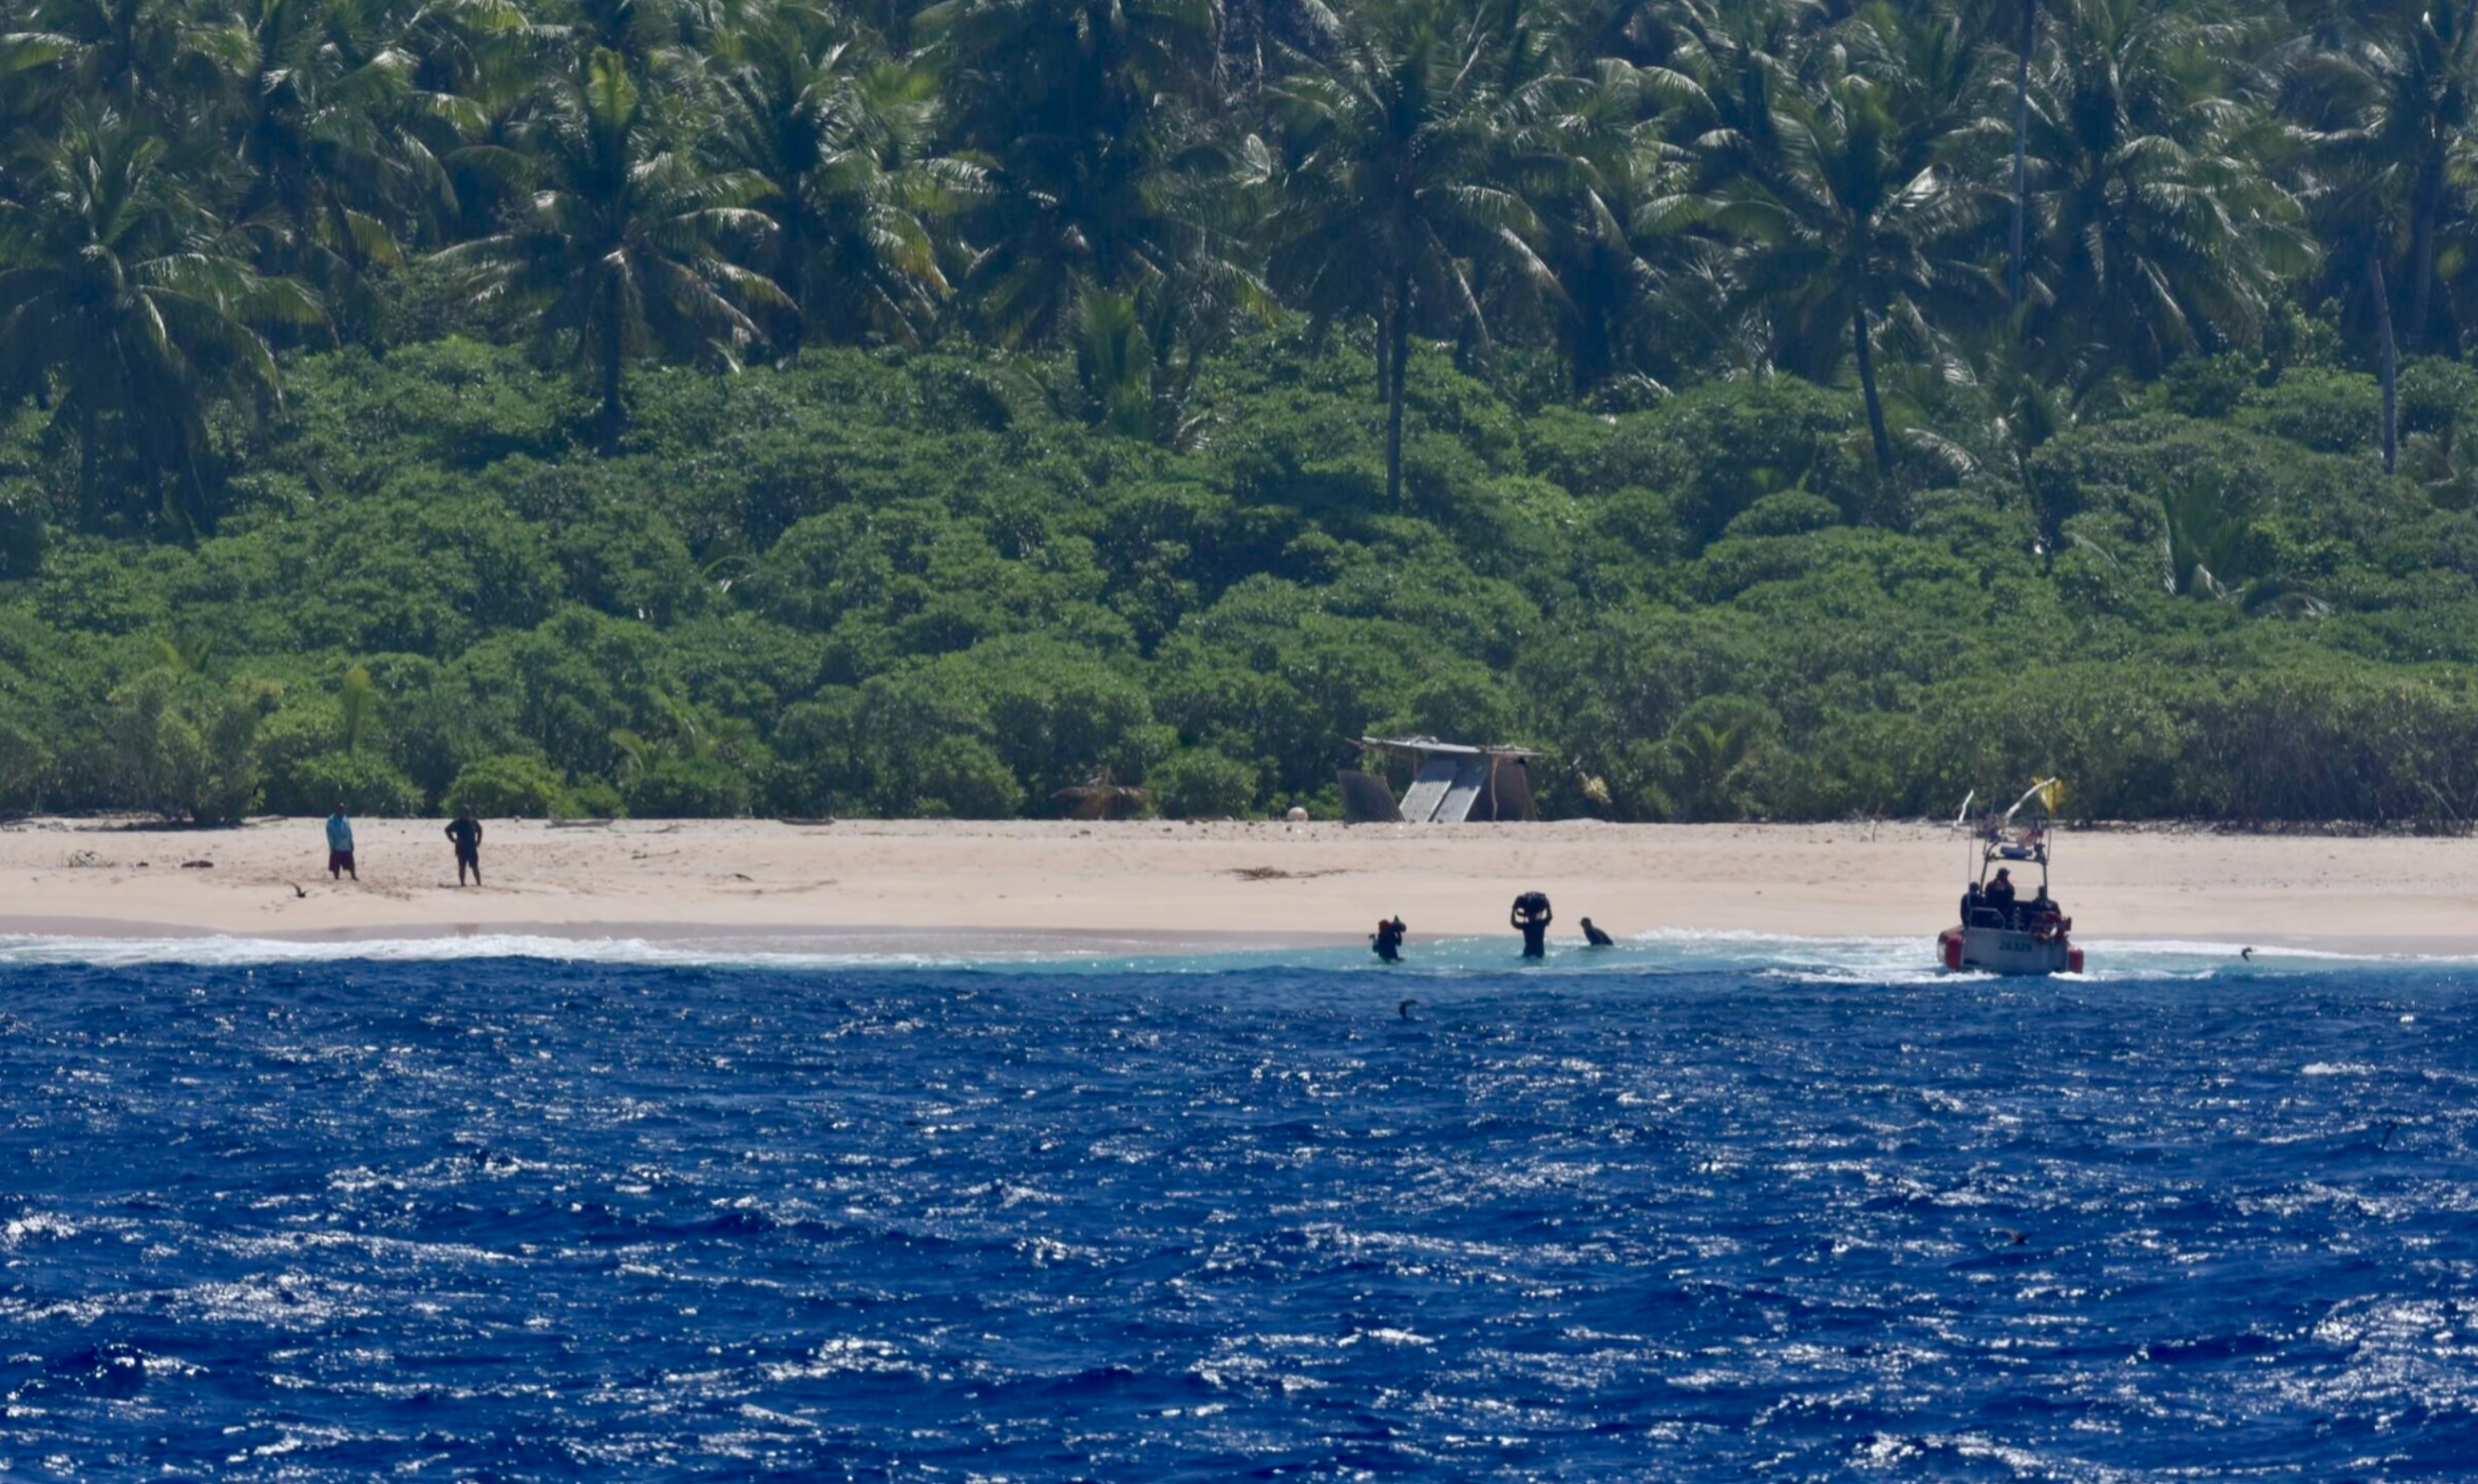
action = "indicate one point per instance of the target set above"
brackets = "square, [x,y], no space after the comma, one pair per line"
[1530,916]
[465,835]
[1387,939]
[1999,895]
[1595,936]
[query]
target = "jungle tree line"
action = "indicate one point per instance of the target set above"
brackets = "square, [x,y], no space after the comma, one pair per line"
[2044,196]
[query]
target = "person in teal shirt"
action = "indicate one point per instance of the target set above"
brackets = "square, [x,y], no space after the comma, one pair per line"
[339,847]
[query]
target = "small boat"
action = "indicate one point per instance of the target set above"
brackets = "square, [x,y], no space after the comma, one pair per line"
[2001,932]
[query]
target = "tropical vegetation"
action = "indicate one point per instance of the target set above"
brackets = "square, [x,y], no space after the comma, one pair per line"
[1766,408]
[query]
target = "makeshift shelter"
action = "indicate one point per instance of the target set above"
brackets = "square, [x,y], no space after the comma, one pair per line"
[1450,782]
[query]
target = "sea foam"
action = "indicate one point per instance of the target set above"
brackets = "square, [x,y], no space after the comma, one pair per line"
[1906,959]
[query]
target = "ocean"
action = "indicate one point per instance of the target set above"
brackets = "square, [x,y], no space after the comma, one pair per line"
[1691,1209]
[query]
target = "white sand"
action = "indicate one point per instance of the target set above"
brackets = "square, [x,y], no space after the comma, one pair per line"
[930,880]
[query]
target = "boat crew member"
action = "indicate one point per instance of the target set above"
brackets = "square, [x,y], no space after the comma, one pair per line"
[2000,895]
[1530,917]
[1595,936]
[1387,939]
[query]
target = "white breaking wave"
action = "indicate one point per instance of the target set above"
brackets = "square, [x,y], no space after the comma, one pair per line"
[1859,960]
[218,950]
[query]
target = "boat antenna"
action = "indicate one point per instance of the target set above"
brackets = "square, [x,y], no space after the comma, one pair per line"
[1964,817]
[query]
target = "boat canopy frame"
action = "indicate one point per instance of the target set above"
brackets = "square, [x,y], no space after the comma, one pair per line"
[2003,845]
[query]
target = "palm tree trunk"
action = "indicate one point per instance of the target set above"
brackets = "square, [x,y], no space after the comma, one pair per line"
[1398,350]
[612,340]
[2391,363]
[2021,152]
[1858,339]
[86,467]
[2430,193]
[793,273]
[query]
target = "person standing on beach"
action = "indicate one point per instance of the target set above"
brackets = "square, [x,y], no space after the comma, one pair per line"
[1530,917]
[339,847]
[465,835]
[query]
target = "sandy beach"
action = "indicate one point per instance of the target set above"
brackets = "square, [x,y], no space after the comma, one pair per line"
[1066,885]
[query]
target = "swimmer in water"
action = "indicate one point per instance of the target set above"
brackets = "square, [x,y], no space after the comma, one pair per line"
[1530,917]
[1594,937]
[1387,939]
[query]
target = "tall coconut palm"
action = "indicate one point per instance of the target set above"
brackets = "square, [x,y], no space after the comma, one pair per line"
[158,59]
[1091,116]
[1407,171]
[486,78]
[627,244]
[1860,210]
[330,142]
[2154,229]
[32,68]
[839,137]
[125,303]
[1607,285]
[2389,89]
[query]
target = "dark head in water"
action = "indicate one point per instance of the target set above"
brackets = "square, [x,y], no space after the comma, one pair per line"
[1595,936]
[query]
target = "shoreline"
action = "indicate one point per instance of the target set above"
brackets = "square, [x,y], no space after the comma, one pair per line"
[1154,887]
[1066,945]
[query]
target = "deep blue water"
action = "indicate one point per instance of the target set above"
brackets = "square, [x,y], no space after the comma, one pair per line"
[525,1219]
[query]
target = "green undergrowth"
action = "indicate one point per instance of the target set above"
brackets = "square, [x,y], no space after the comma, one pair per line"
[878,583]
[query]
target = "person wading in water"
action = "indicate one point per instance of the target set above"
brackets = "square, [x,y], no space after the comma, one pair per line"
[1531,917]
[1387,939]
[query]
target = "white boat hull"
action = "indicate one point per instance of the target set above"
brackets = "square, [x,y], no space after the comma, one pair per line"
[2005,950]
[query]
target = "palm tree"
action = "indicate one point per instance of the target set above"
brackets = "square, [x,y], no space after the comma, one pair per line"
[840,139]
[2156,230]
[486,78]
[154,60]
[2389,89]
[123,301]
[1861,213]
[1089,117]
[1406,172]
[1606,284]
[31,72]
[331,141]
[626,245]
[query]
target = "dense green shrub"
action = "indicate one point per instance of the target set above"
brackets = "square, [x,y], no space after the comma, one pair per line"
[24,764]
[876,585]
[185,746]
[363,783]
[1200,782]
[683,788]
[513,787]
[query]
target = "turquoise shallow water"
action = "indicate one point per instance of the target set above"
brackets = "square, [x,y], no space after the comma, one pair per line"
[1696,1209]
